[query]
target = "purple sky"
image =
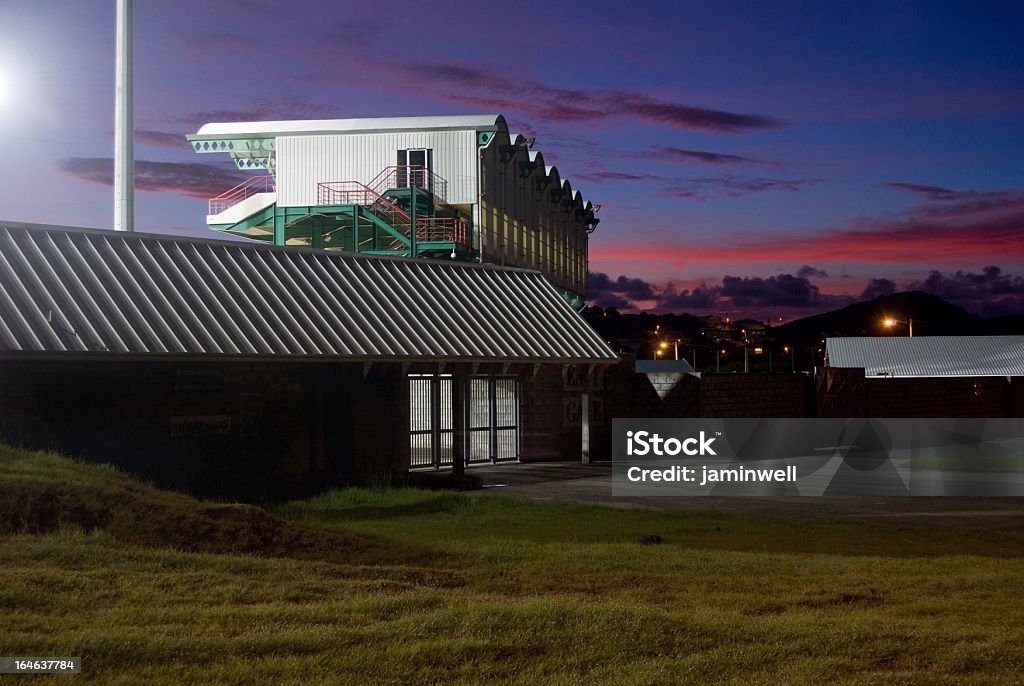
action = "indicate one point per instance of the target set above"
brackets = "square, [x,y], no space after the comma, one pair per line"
[769,159]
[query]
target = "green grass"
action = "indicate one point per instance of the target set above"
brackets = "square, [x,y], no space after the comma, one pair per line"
[432,587]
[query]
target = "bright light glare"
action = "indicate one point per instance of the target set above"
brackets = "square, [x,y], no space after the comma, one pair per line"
[890,322]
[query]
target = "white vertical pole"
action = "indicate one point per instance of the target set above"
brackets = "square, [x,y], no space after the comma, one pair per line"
[124,139]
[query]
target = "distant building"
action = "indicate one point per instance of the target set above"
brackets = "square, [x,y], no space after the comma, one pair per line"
[472,190]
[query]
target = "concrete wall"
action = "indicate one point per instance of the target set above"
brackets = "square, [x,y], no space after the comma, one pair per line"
[228,429]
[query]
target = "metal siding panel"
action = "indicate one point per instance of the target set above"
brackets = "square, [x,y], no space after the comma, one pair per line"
[21,330]
[146,294]
[450,334]
[536,305]
[251,324]
[46,255]
[518,329]
[383,340]
[352,324]
[208,327]
[332,329]
[301,308]
[425,281]
[477,308]
[399,314]
[43,328]
[175,307]
[67,259]
[93,292]
[147,319]
[930,355]
[265,287]
[168,318]
[305,161]
[219,321]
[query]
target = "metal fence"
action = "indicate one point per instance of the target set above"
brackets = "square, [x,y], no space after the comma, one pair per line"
[492,420]
[430,420]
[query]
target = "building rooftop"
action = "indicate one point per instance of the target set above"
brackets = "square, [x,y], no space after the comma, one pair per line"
[929,355]
[70,291]
[267,129]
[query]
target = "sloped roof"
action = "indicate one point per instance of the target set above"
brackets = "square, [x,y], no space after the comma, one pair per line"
[79,291]
[267,129]
[929,355]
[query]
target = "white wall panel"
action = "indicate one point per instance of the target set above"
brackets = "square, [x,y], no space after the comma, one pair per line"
[305,161]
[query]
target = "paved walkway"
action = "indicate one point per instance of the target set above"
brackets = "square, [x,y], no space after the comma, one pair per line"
[572,481]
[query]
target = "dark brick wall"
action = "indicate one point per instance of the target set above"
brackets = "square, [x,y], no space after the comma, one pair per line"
[547,426]
[938,397]
[233,429]
[755,395]
[1016,396]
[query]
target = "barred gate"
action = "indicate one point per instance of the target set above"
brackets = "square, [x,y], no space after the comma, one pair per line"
[430,420]
[492,420]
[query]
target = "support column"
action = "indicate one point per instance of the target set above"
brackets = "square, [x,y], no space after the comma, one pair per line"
[585,415]
[279,222]
[435,420]
[459,434]
[412,222]
[355,228]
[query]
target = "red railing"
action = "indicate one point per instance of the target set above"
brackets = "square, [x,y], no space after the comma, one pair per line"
[439,229]
[246,189]
[369,195]
[442,229]
[355,193]
[404,176]
[397,177]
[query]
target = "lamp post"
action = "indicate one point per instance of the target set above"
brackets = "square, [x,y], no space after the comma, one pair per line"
[893,322]
[792,358]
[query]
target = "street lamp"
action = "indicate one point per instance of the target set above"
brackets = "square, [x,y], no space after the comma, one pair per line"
[893,322]
[792,358]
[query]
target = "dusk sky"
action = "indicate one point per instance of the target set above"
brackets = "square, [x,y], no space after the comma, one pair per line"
[765,159]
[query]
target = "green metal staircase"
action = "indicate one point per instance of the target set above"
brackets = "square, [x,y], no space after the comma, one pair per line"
[402,211]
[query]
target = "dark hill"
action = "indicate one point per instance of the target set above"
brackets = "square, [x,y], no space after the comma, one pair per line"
[932,316]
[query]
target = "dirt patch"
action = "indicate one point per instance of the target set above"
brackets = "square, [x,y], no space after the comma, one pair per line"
[102,499]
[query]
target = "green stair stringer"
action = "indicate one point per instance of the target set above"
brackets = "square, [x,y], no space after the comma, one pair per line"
[308,222]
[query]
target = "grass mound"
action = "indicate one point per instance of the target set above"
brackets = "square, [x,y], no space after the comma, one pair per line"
[42,492]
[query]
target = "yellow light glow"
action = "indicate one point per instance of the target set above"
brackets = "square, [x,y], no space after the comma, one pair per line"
[890,322]
[664,344]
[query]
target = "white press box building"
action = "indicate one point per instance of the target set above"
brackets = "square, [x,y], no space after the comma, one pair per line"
[452,187]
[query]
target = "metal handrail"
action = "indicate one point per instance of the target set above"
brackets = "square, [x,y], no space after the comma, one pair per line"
[405,175]
[370,195]
[442,229]
[355,193]
[248,188]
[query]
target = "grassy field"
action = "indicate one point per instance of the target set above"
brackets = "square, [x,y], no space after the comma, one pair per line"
[406,586]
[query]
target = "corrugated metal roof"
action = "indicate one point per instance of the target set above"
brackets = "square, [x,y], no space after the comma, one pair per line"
[929,355]
[65,290]
[267,129]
